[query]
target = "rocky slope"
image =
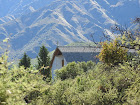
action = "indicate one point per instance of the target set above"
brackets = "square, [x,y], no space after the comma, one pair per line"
[66,21]
[11,9]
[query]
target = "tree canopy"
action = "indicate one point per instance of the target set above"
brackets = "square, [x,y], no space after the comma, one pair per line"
[44,61]
[81,83]
[25,61]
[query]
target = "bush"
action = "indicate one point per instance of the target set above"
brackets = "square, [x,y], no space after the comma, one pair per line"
[79,84]
[69,71]
[3,94]
[85,66]
[97,86]
[74,69]
[112,53]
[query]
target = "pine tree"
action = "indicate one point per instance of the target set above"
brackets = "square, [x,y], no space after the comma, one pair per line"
[44,61]
[25,61]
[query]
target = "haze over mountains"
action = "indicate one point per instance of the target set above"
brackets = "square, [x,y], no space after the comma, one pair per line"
[31,23]
[11,9]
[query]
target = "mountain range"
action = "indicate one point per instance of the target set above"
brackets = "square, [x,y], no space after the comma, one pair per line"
[12,9]
[30,24]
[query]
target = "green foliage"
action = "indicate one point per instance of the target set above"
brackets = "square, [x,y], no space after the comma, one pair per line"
[76,84]
[44,62]
[32,96]
[79,84]
[16,83]
[25,61]
[69,71]
[133,43]
[43,58]
[74,69]
[133,93]
[3,94]
[130,39]
[97,87]
[19,83]
[112,53]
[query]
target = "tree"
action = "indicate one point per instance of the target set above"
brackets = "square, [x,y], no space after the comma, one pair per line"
[130,39]
[127,38]
[44,61]
[112,53]
[69,71]
[25,61]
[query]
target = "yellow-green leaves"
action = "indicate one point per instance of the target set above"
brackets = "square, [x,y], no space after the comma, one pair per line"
[6,40]
[112,53]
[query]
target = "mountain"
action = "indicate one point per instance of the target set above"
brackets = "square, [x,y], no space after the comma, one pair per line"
[11,9]
[66,21]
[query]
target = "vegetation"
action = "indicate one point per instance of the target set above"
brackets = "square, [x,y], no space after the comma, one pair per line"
[112,53]
[95,84]
[44,62]
[82,83]
[17,83]
[73,69]
[25,61]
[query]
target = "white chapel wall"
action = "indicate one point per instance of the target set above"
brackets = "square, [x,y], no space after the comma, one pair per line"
[57,63]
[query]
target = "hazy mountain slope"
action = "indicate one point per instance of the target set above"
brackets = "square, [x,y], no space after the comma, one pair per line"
[12,9]
[63,22]
[125,10]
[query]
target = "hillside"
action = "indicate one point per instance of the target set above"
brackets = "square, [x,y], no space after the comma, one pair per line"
[12,9]
[65,21]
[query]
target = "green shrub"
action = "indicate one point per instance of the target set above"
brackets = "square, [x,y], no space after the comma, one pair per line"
[112,53]
[69,71]
[74,69]
[3,94]
[76,84]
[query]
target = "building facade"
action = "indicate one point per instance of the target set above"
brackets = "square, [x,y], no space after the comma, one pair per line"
[66,54]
